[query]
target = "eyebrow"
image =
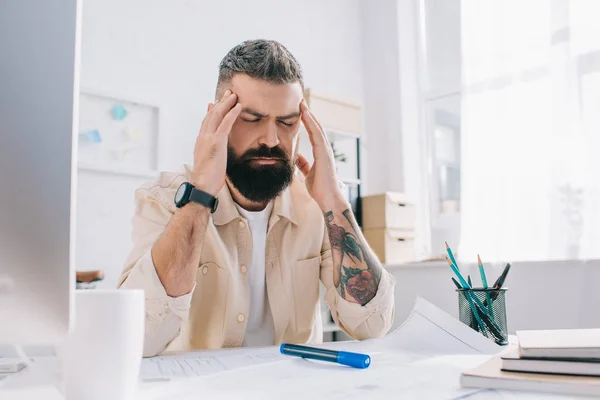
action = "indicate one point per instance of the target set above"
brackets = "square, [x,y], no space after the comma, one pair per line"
[261,115]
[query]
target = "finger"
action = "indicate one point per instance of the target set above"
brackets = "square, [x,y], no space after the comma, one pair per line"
[229,120]
[225,95]
[303,165]
[303,109]
[203,125]
[209,114]
[315,132]
[219,111]
[316,120]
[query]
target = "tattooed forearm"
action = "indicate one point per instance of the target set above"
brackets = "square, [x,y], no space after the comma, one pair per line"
[356,271]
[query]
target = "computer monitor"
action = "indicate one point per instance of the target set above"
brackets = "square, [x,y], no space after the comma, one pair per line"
[39,69]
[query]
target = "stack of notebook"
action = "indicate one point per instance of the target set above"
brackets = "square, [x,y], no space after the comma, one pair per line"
[557,361]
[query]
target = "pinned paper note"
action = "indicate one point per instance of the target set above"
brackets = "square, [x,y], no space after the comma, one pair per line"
[119,154]
[132,133]
[117,134]
[119,112]
[91,136]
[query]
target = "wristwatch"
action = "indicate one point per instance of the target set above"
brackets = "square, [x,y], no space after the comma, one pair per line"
[187,192]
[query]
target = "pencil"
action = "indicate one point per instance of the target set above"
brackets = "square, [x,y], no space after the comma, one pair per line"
[449,251]
[478,306]
[485,286]
[468,295]
[482,272]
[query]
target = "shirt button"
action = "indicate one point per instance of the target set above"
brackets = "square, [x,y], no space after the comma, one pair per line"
[204,270]
[241,317]
[243,269]
[242,224]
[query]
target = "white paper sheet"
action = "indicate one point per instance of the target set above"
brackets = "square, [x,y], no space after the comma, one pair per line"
[428,331]
[388,377]
[398,366]
[201,363]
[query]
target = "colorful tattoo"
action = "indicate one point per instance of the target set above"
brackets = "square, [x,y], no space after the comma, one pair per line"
[356,271]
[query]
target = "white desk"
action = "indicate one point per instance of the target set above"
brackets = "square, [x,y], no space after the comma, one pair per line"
[422,359]
[232,385]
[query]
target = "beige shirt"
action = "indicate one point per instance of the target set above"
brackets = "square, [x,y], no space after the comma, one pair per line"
[215,313]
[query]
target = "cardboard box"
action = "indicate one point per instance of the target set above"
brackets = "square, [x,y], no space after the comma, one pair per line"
[392,246]
[388,210]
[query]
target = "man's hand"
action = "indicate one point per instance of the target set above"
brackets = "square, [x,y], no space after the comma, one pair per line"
[176,254]
[210,153]
[321,178]
[356,270]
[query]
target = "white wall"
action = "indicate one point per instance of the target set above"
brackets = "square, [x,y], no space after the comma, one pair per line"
[381,78]
[166,52]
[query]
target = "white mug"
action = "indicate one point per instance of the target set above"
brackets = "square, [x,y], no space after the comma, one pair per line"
[102,356]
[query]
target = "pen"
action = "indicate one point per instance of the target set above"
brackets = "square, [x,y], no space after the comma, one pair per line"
[500,281]
[478,306]
[355,360]
[468,295]
[493,327]
[474,322]
[456,283]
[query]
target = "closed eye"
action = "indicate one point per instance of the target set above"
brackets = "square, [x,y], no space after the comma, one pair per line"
[285,123]
[251,120]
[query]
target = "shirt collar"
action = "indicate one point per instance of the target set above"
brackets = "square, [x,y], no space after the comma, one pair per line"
[227,211]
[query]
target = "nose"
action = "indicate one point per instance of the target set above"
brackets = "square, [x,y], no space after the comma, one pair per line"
[269,137]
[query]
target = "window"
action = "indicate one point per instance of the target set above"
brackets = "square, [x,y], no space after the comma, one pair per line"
[510,93]
[441,100]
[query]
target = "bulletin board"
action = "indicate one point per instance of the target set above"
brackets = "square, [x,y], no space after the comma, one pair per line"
[117,135]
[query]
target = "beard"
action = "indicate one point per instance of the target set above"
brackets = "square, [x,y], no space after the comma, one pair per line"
[259,183]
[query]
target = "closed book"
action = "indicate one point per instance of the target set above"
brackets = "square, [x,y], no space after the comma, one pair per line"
[511,361]
[559,343]
[490,375]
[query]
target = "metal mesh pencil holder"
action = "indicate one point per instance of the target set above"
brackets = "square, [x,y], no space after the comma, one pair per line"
[484,310]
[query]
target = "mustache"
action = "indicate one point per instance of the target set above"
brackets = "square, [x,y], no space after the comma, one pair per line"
[265,152]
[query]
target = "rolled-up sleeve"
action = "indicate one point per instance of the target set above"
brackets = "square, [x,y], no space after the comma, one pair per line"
[164,314]
[372,320]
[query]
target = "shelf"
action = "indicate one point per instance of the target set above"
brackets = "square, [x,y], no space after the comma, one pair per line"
[334,134]
[334,114]
[329,327]
[351,181]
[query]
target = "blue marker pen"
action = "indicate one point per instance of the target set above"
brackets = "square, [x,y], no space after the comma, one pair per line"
[355,360]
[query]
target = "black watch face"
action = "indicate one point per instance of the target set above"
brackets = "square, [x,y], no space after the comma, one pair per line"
[180,195]
[215,205]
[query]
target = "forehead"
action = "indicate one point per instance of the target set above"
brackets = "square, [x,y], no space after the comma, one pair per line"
[274,99]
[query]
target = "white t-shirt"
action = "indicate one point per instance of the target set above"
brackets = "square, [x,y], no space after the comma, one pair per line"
[260,330]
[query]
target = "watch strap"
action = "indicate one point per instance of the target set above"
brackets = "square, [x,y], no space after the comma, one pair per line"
[201,197]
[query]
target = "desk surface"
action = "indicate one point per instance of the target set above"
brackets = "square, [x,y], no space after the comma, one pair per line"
[252,383]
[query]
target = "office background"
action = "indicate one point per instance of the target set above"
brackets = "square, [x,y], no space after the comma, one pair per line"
[410,66]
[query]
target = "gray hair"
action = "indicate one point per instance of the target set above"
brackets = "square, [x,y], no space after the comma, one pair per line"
[262,59]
